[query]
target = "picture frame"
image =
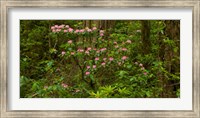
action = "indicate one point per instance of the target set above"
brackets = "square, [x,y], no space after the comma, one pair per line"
[7,4]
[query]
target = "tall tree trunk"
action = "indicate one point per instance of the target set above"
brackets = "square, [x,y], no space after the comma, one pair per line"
[146,43]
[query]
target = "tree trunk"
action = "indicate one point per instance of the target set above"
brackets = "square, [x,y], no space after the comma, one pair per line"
[146,43]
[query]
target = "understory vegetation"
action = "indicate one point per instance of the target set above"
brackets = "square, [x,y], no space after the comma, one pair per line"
[99,58]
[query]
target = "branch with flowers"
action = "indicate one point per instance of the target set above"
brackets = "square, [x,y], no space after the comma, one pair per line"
[94,55]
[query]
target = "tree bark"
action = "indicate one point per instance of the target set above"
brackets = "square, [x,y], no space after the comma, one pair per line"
[146,43]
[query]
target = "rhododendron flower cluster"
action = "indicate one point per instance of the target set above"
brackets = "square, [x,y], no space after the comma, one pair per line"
[111,59]
[70,30]
[87,52]
[94,66]
[93,57]
[67,28]
[70,41]
[88,67]
[64,85]
[89,48]
[96,59]
[128,41]
[57,28]
[80,50]
[87,73]
[124,57]
[72,53]
[141,67]
[94,28]
[89,30]
[63,52]
[103,49]
[103,64]
[124,49]
[101,32]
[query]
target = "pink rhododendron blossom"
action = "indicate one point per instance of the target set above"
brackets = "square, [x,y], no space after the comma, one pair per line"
[88,67]
[103,49]
[70,41]
[94,28]
[63,53]
[128,41]
[94,49]
[81,31]
[58,30]
[87,73]
[103,64]
[52,27]
[53,30]
[72,53]
[64,85]
[94,66]
[145,73]
[89,48]
[141,65]
[97,58]
[87,52]
[104,59]
[89,30]
[56,26]
[67,26]
[65,30]
[116,46]
[124,57]
[101,34]
[77,31]
[70,30]
[124,49]
[80,50]
[111,59]
[61,26]
[101,31]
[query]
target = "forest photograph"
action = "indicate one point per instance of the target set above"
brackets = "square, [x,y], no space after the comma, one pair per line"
[99,58]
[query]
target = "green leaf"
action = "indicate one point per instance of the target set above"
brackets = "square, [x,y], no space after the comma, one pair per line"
[133,78]
[69,49]
[35,86]
[92,78]
[50,63]
[129,66]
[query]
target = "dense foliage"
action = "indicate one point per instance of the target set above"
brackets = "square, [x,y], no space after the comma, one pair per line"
[99,59]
